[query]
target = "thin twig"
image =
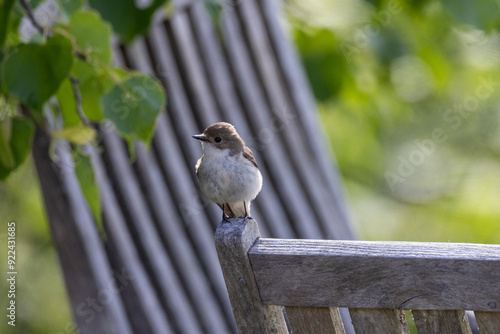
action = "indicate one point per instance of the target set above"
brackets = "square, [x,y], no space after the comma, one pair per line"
[78,100]
[26,5]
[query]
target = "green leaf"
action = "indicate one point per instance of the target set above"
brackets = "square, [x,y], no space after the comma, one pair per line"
[33,72]
[482,14]
[5,9]
[68,7]
[93,83]
[92,90]
[19,144]
[134,105]
[66,98]
[80,134]
[127,19]
[86,177]
[92,35]
[6,155]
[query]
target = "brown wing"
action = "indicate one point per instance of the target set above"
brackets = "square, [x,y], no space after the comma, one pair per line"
[247,154]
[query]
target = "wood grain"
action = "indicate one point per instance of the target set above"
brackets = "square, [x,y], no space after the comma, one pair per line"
[488,322]
[233,239]
[310,320]
[360,274]
[378,321]
[442,321]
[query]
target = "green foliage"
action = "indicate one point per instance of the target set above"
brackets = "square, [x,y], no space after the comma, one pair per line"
[134,105]
[66,69]
[68,7]
[482,14]
[79,134]
[63,72]
[33,72]
[127,19]
[409,95]
[86,177]
[92,35]
[15,144]
[5,9]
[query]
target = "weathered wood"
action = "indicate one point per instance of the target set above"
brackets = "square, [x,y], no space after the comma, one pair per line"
[300,94]
[405,275]
[488,322]
[233,239]
[379,321]
[311,320]
[86,269]
[259,114]
[146,312]
[441,321]
[140,221]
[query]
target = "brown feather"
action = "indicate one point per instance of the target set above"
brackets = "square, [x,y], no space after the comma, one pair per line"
[247,154]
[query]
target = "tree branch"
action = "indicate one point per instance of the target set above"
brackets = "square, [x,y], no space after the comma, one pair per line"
[29,11]
[78,100]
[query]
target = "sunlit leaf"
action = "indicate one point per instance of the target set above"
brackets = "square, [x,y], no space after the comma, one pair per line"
[80,134]
[91,34]
[66,98]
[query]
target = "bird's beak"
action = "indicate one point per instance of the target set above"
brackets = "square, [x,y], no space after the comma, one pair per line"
[200,137]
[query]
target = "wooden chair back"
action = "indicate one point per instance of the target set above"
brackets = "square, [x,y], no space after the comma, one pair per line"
[282,285]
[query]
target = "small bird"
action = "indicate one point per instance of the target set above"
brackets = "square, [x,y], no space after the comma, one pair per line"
[227,172]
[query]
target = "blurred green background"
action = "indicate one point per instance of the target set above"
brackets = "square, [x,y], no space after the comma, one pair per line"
[409,95]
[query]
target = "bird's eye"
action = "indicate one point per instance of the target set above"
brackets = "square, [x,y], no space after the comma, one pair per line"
[218,139]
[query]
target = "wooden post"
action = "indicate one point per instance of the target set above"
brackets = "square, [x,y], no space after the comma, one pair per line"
[233,240]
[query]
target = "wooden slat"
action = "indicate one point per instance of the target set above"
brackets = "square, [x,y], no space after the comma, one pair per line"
[271,211]
[408,275]
[379,321]
[197,286]
[311,320]
[147,310]
[300,94]
[141,225]
[290,128]
[233,239]
[86,268]
[204,104]
[268,143]
[488,322]
[207,312]
[196,214]
[441,321]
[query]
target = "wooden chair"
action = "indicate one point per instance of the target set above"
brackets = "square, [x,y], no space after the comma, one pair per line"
[375,280]
[157,271]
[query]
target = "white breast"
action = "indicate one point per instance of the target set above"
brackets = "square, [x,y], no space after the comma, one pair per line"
[227,179]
